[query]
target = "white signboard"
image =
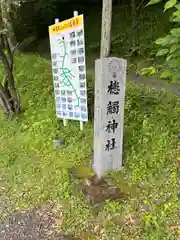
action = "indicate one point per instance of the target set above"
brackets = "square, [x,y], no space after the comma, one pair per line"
[110,82]
[69,68]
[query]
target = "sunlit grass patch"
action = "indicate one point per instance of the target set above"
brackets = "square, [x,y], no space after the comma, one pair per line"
[33,172]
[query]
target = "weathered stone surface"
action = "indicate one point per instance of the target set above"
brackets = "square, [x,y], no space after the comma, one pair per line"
[110,82]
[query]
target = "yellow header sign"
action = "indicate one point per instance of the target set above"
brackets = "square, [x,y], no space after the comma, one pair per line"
[66,25]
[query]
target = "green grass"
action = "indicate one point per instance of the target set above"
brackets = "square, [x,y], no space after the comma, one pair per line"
[32,172]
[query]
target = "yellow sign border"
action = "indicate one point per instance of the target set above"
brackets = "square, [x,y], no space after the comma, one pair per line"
[66,25]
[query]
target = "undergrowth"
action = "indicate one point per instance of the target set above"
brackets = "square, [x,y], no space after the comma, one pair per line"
[151,24]
[32,172]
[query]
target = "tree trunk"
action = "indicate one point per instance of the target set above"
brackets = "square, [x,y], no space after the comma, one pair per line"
[106,28]
[9,100]
[10,79]
[5,103]
[7,21]
[133,13]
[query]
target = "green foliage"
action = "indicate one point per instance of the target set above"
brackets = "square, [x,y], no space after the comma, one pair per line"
[45,7]
[33,172]
[162,52]
[150,24]
[170,4]
[148,71]
[169,45]
[16,3]
[153,2]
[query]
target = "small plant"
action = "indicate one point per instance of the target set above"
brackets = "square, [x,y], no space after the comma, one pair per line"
[168,46]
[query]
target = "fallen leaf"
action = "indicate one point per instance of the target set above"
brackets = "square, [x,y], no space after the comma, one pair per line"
[175,228]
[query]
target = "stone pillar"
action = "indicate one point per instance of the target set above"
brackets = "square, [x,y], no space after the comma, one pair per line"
[110,82]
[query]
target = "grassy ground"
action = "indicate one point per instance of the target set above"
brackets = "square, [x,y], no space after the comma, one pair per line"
[33,173]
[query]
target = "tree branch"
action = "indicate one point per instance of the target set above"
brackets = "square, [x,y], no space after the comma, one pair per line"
[10,54]
[4,101]
[4,107]
[10,58]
